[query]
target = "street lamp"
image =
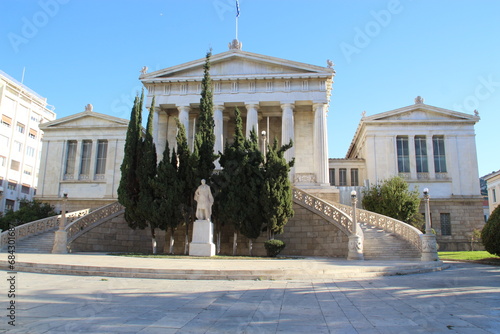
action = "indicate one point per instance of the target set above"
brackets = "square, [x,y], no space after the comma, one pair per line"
[61,236]
[263,134]
[429,244]
[356,238]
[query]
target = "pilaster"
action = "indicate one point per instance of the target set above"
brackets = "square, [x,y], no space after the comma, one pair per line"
[287,131]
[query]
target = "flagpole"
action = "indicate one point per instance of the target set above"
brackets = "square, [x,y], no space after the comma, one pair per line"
[236,27]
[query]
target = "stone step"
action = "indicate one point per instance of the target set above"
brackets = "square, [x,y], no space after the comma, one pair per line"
[39,244]
[381,245]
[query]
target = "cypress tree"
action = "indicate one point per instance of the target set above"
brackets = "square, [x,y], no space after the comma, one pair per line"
[166,213]
[205,137]
[187,176]
[128,189]
[231,200]
[145,173]
[276,199]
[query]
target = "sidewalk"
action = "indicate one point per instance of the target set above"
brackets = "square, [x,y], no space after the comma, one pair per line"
[86,264]
[462,299]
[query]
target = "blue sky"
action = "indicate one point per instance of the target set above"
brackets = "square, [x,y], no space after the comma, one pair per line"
[386,52]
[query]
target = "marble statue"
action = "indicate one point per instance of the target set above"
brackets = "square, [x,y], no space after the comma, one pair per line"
[204,199]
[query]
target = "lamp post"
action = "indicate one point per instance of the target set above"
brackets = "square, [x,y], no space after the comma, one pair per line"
[356,238]
[61,236]
[429,245]
[264,141]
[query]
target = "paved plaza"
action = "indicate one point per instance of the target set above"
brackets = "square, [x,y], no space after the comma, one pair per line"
[462,299]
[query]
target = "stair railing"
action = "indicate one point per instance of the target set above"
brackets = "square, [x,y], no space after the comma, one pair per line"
[337,217]
[40,226]
[388,224]
[84,224]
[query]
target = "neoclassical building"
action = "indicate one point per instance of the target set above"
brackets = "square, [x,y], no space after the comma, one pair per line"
[81,156]
[493,186]
[286,99]
[429,147]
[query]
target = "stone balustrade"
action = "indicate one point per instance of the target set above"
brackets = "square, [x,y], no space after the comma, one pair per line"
[40,226]
[391,225]
[82,225]
[333,215]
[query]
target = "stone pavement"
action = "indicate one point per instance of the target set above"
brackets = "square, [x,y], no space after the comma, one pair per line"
[462,299]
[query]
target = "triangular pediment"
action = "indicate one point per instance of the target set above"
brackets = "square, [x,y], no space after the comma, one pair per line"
[86,119]
[419,113]
[238,64]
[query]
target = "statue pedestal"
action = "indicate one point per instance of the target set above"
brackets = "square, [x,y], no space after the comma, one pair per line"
[203,236]
[60,243]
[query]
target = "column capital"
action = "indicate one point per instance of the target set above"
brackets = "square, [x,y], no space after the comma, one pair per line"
[287,105]
[254,105]
[219,107]
[319,104]
[184,108]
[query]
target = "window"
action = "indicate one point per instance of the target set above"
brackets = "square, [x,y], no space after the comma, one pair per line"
[9,204]
[403,154]
[34,118]
[2,161]
[354,177]
[20,127]
[18,146]
[28,170]
[14,165]
[32,134]
[25,189]
[4,141]
[6,121]
[342,177]
[494,193]
[30,151]
[70,157]
[12,186]
[445,224]
[439,154]
[102,151]
[332,176]
[421,154]
[86,155]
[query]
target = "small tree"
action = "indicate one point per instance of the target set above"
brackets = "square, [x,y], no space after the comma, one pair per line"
[491,233]
[393,198]
[28,211]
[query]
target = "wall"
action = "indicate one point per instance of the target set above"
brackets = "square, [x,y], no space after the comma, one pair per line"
[306,234]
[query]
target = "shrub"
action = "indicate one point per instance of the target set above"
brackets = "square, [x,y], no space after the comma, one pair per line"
[491,233]
[274,247]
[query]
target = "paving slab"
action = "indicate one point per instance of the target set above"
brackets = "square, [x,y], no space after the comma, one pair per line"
[462,299]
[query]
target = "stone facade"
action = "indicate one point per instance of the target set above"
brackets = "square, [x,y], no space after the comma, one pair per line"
[81,156]
[306,234]
[431,148]
[493,186]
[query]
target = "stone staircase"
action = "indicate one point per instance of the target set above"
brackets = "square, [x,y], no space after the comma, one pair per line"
[384,246]
[40,243]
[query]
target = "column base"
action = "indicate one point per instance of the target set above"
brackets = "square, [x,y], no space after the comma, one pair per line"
[60,243]
[429,248]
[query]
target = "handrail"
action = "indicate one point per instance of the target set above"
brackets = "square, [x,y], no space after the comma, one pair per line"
[40,226]
[388,224]
[333,215]
[80,226]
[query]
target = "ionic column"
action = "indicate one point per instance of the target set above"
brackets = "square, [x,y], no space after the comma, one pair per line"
[252,118]
[430,158]
[413,157]
[320,143]
[184,118]
[287,129]
[219,132]
[156,123]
